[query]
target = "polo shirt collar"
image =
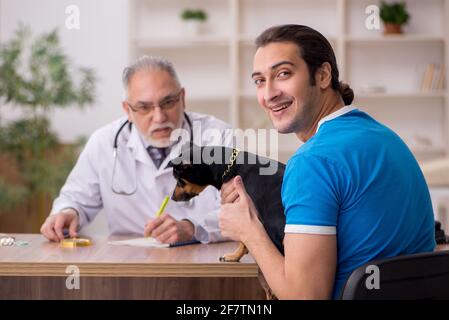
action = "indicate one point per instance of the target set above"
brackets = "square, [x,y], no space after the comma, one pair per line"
[335,114]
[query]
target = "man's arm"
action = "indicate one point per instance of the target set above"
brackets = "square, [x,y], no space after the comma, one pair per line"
[306,272]
[308,269]
[81,191]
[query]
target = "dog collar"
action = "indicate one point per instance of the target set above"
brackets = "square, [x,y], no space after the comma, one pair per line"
[234,155]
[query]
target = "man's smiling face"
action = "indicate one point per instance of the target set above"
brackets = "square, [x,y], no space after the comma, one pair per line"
[283,86]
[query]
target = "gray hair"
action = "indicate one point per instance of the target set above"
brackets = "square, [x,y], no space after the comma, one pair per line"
[148,63]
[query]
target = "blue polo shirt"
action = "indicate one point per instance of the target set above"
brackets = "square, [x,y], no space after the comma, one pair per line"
[357,179]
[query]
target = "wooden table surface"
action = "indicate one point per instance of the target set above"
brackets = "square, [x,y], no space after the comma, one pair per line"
[44,258]
[38,271]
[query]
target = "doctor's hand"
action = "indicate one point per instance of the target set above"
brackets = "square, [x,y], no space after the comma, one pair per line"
[238,218]
[168,230]
[53,227]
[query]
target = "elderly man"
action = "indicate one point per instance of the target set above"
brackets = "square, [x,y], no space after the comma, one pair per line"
[352,193]
[123,169]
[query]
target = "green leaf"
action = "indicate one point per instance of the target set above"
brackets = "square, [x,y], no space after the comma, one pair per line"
[192,14]
[395,13]
[49,82]
[38,83]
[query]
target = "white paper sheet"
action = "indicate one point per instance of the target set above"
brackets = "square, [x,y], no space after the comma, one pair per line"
[140,242]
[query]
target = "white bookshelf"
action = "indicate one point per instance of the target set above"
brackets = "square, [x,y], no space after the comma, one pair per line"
[215,66]
[381,40]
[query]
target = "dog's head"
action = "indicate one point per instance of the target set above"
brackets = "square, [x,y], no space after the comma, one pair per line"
[191,180]
[191,177]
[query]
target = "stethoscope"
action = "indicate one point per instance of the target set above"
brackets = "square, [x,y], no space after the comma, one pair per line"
[115,155]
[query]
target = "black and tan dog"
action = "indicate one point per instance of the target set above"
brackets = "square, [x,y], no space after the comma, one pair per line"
[198,167]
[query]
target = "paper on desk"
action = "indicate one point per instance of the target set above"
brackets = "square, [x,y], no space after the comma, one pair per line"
[140,242]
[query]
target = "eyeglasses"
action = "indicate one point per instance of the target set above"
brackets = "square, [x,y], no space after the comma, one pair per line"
[165,104]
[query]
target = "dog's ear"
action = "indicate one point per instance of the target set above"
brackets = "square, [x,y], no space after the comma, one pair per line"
[176,171]
[186,167]
[182,169]
[196,174]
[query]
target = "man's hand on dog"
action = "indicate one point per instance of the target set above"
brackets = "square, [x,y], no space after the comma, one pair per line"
[228,192]
[166,229]
[238,217]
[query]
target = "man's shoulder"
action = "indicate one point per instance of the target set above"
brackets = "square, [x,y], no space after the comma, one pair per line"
[348,134]
[303,160]
[317,158]
[315,149]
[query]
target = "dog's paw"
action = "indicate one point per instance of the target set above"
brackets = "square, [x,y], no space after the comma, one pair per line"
[229,258]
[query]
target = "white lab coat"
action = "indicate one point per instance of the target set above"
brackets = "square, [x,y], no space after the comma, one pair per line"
[88,187]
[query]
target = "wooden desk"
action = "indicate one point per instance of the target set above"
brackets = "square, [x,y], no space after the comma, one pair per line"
[38,271]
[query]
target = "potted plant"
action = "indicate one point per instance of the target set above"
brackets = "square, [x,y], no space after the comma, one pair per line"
[36,77]
[393,15]
[194,19]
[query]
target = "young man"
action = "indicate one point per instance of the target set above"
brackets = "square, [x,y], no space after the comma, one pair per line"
[131,185]
[352,193]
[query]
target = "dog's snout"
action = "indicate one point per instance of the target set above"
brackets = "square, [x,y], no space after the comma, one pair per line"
[175,196]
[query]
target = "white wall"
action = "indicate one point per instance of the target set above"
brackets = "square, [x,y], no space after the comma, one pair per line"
[100,43]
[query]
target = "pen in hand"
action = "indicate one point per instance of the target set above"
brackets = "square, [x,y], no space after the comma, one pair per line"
[163,205]
[161,209]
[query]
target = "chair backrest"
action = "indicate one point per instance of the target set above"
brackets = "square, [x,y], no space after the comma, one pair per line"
[416,276]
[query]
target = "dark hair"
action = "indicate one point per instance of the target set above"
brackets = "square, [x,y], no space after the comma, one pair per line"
[314,48]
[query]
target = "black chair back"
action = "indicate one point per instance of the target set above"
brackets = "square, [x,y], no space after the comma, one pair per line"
[411,277]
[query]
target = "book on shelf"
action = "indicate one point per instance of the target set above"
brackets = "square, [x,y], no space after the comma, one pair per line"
[439,78]
[433,79]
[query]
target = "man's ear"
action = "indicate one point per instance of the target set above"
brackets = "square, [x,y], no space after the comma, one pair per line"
[324,75]
[127,110]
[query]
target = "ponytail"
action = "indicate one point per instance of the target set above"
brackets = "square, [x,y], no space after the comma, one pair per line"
[346,93]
